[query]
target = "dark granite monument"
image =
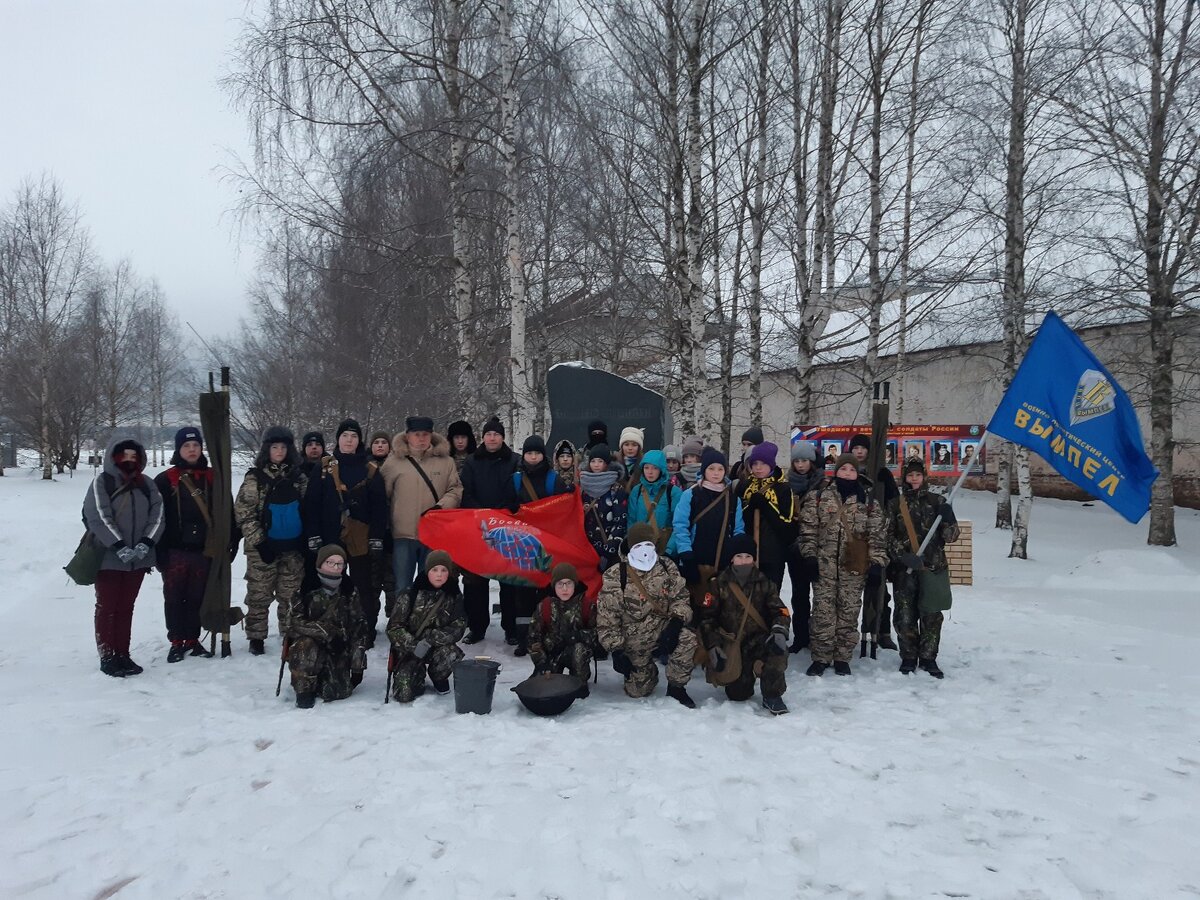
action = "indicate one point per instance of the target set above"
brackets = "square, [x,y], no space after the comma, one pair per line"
[580,394]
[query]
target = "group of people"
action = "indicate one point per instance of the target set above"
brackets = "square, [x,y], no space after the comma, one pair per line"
[693,553]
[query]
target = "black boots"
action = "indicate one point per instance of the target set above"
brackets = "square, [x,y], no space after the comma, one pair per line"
[798,644]
[441,685]
[774,705]
[473,638]
[130,667]
[177,652]
[307,700]
[931,666]
[908,666]
[679,692]
[817,669]
[885,642]
[198,649]
[111,665]
[841,667]
[257,648]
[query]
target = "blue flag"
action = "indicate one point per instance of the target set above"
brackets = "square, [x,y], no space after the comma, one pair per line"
[1066,407]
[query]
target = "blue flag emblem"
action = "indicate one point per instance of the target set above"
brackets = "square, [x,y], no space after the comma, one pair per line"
[1066,407]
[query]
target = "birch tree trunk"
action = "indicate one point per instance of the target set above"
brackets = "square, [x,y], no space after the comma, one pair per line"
[758,213]
[878,55]
[695,306]
[521,400]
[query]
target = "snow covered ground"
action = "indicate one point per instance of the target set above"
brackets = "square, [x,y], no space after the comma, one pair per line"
[1060,758]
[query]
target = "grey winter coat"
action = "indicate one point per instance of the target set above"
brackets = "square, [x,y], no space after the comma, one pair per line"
[122,515]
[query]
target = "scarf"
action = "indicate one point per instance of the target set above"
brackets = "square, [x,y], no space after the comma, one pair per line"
[800,484]
[690,472]
[329,583]
[848,488]
[741,574]
[597,484]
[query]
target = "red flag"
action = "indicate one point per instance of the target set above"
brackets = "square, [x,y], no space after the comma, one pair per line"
[517,549]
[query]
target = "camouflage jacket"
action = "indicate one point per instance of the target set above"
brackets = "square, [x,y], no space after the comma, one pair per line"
[568,625]
[923,508]
[825,526]
[323,615]
[724,612]
[624,614]
[248,506]
[436,615]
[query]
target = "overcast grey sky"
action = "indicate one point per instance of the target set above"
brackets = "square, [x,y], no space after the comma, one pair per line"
[119,100]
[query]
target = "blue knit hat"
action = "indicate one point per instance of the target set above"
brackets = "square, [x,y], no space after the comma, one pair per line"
[190,433]
[712,455]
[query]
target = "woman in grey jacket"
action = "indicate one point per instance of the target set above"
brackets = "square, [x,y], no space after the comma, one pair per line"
[123,510]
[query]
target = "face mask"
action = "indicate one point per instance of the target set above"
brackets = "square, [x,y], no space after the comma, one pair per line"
[128,466]
[643,556]
[330,582]
[742,573]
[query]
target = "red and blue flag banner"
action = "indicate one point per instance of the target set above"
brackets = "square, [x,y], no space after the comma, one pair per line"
[1066,407]
[518,548]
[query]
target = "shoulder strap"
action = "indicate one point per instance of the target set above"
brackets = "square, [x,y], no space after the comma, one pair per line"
[724,529]
[528,486]
[197,496]
[748,608]
[331,468]
[908,524]
[624,575]
[425,478]
[711,505]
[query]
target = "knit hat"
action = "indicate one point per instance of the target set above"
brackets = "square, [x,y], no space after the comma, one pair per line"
[600,451]
[763,452]
[561,571]
[844,460]
[860,440]
[381,436]
[439,558]
[637,435]
[313,437]
[190,433]
[534,444]
[914,464]
[671,452]
[348,425]
[639,533]
[327,551]
[493,424]
[753,434]
[741,543]
[418,423]
[460,428]
[804,450]
[709,456]
[692,446]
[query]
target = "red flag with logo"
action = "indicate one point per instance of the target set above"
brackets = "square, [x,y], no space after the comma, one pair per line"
[516,549]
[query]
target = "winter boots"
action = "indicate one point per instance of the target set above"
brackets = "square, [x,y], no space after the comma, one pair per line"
[679,692]
[130,667]
[441,685]
[798,644]
[841,667]
[931,666]
[111,665]
[177,652]
[198,649]
[885,642]
[307,700]
[257,648]
[908,666]
[817,669]
[774,705]
[473,638]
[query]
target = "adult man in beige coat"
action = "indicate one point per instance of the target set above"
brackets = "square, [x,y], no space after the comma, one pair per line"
[420,475]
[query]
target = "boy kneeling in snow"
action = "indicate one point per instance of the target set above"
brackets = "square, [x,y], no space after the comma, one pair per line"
[640,617]
[744,626]
[563,627]
[327,634]
[428,622]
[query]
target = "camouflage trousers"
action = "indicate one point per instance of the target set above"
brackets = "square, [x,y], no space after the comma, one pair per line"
[771,668]
[833,624]
[317,671]
[918,635]
[266,582]
[644,677]
[575,658]
[408,675]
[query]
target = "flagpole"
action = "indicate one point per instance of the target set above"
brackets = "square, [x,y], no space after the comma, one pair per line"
[950,498]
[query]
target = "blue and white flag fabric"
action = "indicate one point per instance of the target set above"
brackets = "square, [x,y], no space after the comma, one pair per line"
[1066,407]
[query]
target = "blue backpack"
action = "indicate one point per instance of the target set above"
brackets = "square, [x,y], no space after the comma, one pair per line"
[281,508]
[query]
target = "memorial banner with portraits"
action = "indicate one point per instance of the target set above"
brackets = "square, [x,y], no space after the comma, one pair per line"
[945,449]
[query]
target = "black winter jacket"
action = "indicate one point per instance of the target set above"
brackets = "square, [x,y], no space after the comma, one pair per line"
[487,479]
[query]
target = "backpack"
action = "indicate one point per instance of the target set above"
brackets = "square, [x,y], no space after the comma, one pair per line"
[281,508]
[110,485]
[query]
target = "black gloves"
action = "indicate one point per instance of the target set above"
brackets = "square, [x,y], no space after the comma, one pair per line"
[266,552]
[668,640]
[622,665]
[912,561]
[688,568]
[948,517]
